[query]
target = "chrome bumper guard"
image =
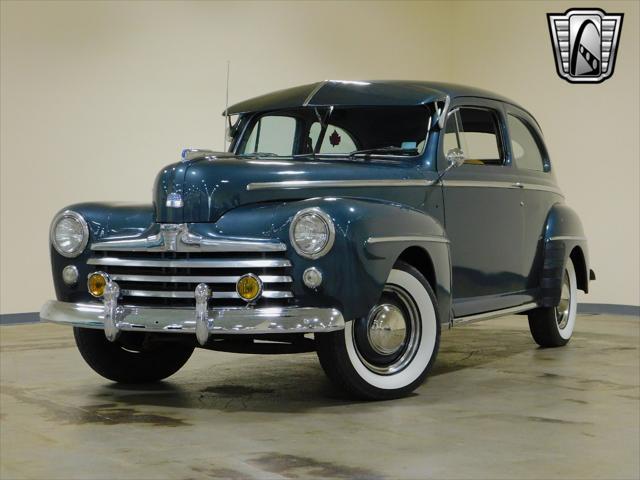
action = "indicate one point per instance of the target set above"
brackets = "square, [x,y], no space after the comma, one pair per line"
[113,318]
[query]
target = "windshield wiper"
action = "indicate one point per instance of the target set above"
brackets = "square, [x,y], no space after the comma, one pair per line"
[390,148]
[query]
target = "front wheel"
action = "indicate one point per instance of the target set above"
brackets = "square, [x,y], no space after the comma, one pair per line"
[553,326]
[388,353]
[131,361]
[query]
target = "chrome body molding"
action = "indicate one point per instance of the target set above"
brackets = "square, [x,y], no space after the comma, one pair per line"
[542,188]
[489,184]
[313,92]
[408,238]
[177,238]
[494,314]
[293,184]
[241,320]
[567,237]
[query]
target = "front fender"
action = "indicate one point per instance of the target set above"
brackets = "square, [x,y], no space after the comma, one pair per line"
[104,220]
[370,237]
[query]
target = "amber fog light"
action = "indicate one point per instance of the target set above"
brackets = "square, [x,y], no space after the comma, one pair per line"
[249,287]
[96,283]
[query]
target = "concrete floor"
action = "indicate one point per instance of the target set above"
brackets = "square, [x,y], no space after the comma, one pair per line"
[496,406]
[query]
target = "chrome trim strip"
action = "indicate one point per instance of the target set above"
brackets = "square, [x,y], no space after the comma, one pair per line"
[479,184]
[444,113]
[178,238]
[196,279]
[315,90]
[543,188]
[241,320]
[408,238]
[567,237]
[291,184]
[496,313]
[191,294]
[490,184]
[190,263]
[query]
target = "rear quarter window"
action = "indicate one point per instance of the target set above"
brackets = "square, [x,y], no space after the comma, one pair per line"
[524,147]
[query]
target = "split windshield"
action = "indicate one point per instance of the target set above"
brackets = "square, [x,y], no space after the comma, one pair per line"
[339,131]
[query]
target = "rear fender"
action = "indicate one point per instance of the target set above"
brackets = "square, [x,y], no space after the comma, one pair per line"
[564,238]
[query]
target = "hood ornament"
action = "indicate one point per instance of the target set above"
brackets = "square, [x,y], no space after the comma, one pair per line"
[189,154]
[174,200]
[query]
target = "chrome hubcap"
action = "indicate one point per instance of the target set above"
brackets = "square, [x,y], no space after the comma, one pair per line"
[388,338]
[387,329]
[562,310]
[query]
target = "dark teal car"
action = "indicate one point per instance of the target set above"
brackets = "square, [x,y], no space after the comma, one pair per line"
[356,219]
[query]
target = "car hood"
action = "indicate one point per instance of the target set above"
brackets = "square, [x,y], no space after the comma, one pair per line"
[208,187]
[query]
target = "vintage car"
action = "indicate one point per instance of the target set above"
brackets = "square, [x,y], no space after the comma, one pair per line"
[356,219]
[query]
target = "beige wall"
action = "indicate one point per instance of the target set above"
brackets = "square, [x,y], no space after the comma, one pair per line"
[96,97]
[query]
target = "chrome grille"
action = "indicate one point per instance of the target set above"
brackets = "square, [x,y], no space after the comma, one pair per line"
[169,278]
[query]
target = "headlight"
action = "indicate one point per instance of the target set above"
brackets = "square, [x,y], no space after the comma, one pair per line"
[69,233]
[312,233]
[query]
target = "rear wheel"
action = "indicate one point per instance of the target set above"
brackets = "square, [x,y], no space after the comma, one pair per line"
[388,353]
[553,326]
[130,361]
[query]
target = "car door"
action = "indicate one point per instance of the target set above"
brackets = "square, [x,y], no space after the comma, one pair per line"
[483,214]
[539,188]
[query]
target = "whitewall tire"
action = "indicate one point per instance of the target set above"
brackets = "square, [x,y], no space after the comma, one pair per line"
[388,353]
[553,326]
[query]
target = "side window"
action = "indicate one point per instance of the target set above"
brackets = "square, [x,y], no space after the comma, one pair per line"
[272,134]
[525,150]
[476,132]
[336,139]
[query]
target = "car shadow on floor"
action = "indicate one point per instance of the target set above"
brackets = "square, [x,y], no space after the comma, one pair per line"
[296,383]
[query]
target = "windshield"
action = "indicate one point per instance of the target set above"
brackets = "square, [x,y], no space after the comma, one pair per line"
[340,131]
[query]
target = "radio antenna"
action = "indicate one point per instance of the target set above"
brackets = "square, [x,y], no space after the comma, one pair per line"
[226,108]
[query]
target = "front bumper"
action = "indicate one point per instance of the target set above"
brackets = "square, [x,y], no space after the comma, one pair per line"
[182,320]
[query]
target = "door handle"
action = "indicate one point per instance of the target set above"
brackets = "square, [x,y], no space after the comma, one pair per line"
[517,185]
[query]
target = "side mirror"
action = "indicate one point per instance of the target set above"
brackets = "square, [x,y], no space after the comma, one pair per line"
[455,158]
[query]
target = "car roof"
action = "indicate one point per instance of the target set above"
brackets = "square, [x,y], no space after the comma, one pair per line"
[361,93]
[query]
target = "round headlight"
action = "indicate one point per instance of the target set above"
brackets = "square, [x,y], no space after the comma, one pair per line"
[312,233]
[69,233]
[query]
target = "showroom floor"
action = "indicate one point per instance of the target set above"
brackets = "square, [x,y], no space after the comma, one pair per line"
[494,407]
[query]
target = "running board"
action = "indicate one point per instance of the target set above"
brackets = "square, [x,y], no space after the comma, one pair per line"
[494,314]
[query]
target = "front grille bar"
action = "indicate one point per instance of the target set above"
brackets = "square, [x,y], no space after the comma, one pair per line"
[190,263]
[195,279]
[163,268]
[178,294]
